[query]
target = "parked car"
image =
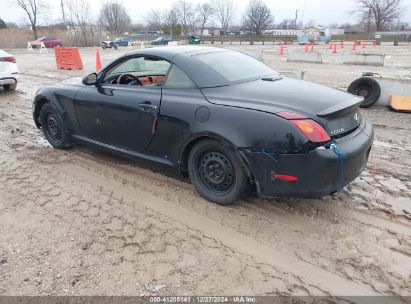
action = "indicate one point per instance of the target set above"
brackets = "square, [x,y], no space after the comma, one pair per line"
[122,41]
[194,40]
[49,42]
[163,40]
[8,71]
[226,120]
[108,45]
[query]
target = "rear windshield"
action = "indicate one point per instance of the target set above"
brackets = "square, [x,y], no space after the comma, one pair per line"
[236,66]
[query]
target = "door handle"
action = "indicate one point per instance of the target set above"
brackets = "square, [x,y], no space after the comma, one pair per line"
[148,105]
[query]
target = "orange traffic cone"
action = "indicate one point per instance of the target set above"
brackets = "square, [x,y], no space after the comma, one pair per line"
[312,47]
[363,44]
[306,48]
[354,47]
[334,48]
[98,61]
[282,49]
[342,44]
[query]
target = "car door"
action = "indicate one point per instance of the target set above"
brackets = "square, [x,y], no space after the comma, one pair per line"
[119,114]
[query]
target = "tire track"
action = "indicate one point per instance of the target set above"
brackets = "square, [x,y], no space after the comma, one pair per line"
[320,278]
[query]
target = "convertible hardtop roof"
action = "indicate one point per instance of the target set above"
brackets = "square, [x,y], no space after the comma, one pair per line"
[169,52]
[203,75]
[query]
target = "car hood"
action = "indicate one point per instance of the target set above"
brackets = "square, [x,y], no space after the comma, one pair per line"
[283,94]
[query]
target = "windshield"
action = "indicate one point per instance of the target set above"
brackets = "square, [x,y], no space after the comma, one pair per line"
[236,66]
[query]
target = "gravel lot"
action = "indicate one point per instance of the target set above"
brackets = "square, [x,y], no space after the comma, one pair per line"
[82,222]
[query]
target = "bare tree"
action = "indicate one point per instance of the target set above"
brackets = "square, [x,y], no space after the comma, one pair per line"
[204,13]
[33,9]
[184,14]
[225,11]
[78,20]
[171,21]
[165,21]
[63,13]
[379,12]
[257,17]
[114,17]
[156,19]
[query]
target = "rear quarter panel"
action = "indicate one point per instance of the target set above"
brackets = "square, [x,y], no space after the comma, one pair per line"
[178,125]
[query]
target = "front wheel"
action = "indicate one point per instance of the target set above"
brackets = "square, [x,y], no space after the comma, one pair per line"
[53,127]
[217,173]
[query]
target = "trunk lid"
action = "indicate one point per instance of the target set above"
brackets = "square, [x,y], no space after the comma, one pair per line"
[336,110]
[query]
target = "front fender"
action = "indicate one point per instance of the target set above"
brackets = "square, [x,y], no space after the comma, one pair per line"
[62,98]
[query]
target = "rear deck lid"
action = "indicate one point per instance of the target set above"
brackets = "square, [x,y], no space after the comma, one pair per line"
[343,117]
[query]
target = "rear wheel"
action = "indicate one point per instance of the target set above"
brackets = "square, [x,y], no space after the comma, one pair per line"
[368,88]
[53,127]
[217,173]
[10,87]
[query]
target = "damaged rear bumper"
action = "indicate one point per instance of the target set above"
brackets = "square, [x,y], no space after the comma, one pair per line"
[319,172]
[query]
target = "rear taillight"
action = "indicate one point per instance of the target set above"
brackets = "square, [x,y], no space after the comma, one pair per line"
[9,59]
[310,128]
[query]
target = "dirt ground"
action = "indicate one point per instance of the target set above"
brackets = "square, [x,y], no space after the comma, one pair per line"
[82,222]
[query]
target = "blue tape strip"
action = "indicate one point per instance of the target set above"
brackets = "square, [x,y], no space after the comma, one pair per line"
[269,155]
[340,155]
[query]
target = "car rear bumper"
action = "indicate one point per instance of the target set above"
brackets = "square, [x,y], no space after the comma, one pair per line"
[319,172]
[5,81]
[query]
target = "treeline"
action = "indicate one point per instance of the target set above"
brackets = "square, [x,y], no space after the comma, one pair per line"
[184,18]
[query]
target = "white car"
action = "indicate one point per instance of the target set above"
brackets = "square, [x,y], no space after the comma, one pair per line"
[8,71]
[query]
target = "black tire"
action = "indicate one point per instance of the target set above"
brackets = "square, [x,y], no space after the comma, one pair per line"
[53,127]
[368,88]
[58,45]
[217,173]
[10,87]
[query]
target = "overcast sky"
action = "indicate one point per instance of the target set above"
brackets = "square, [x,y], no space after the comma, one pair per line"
[321,11]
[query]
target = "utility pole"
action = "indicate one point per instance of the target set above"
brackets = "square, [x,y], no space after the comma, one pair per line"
[62,11]
[296,19]
[369,23]
[302,18]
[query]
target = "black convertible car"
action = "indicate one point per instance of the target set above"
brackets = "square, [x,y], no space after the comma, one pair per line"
[228,121]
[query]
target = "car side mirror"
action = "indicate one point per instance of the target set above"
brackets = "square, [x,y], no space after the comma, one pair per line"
[90,79]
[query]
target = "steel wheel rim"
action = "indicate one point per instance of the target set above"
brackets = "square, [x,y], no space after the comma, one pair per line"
[216,171]
[363,91]
[53,127]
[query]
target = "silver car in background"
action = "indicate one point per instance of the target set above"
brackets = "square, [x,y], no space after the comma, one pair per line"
[9,72]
